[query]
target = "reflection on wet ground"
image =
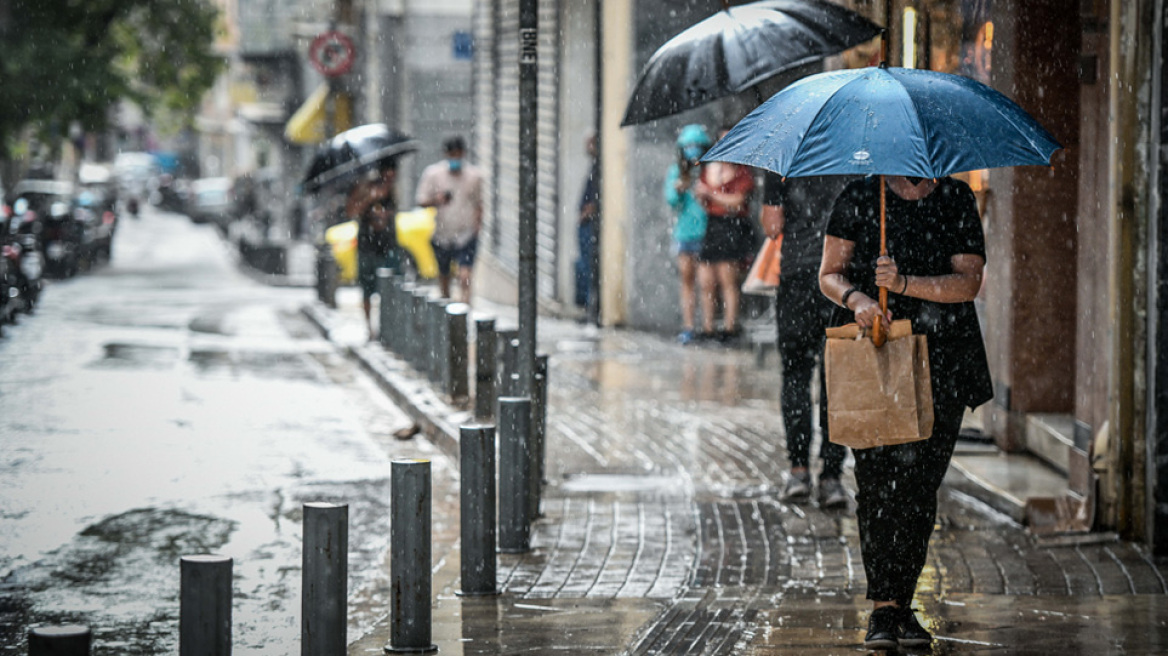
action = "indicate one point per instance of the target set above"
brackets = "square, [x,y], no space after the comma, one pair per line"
[168,405]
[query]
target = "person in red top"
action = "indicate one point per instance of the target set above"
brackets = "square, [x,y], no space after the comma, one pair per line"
[724,189]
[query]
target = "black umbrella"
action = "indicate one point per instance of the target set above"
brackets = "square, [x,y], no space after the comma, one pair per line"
[353,152]
[738,48]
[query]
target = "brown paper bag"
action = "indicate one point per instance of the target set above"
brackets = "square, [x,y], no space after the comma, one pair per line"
[878,396]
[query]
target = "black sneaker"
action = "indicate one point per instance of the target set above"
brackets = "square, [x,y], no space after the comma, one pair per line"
[882,628]
[909,632]
[832,493]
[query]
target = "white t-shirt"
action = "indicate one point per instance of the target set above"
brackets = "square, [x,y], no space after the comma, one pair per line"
[455,223]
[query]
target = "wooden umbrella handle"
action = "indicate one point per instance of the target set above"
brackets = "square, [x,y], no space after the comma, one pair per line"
[879,336]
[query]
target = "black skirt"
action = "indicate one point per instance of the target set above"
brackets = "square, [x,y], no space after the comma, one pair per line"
[727,239]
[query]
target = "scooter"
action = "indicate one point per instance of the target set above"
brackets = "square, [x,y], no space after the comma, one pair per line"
[26,263]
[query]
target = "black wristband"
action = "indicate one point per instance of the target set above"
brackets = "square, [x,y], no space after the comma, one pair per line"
[905,288]
[844,299]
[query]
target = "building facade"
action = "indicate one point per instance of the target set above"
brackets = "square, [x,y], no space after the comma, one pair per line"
[1075,280]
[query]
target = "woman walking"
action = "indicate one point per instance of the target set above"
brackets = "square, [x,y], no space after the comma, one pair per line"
[933,273]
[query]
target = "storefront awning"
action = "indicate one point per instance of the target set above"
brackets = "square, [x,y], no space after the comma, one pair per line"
[308,126]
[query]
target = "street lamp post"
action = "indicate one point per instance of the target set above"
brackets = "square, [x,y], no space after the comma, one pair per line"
[528,79]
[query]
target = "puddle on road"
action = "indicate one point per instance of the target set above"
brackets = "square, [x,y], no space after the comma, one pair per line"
[284,366]
[136,356]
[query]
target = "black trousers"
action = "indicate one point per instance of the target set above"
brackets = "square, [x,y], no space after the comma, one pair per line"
[799,357]
[802,314]
[897,505]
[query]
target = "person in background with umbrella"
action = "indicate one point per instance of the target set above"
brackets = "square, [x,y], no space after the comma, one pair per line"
[797,210]
[690,226]
[724,190]
[933,272]
[371,202]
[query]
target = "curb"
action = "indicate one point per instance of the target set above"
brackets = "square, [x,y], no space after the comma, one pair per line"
[413,393]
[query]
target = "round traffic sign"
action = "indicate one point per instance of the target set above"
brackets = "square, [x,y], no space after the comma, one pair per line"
[332,53]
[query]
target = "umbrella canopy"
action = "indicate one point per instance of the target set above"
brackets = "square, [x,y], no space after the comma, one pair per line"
[738,48]
[887,121]
[349,154]
[882,120]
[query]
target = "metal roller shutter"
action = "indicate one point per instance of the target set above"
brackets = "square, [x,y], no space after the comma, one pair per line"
[503,209]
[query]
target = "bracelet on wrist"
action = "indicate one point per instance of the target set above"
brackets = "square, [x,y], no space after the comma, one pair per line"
[844,298]
[905,288]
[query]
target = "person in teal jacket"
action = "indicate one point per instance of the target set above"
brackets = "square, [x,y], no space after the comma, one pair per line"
[692,142]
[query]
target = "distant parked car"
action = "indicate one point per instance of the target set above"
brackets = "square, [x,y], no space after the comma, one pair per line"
[211,202]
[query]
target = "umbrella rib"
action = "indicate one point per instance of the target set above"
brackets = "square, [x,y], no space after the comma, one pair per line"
[1019,130]
[913,103]
[818,112]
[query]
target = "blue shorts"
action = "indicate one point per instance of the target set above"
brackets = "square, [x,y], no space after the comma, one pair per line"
[688,247]
[463,256]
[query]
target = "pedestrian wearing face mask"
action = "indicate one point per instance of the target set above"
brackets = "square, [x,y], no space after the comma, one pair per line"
[453,187]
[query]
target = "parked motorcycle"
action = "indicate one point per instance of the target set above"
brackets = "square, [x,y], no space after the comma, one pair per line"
[24,261]
[61,237]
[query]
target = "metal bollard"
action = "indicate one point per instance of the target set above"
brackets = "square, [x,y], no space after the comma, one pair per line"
[538,433]
[514,474]
[393,318]
[325,574]
[417,349]
[384,284]
[485,351]
[405,305]
[507,376]
[409,567]
[326,275]
[476,446]
[205,606]
[64,640]
[435,338]
[454,371]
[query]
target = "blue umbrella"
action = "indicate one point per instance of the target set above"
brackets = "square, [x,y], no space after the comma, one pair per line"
[886,121]
[889,121]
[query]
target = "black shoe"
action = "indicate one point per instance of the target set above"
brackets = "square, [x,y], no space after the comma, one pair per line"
[729,336]
[882,628]
[909,632]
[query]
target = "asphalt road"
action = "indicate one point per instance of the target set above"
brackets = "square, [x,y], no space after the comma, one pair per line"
[165,405]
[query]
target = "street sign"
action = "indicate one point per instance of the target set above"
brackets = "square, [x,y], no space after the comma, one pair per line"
[332,53]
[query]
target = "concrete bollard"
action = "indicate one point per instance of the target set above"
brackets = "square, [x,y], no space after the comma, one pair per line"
[476,446]
[384,312]
[64,640]
[325,589]
[485,352]
[514,474]
[205,606]
[538,434]
[454,371]
[409,567]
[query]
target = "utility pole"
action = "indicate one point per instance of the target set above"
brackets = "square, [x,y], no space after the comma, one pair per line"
[528,104]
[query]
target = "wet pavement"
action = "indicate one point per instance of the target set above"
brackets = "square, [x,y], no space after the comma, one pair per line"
[663,525]
[167,405]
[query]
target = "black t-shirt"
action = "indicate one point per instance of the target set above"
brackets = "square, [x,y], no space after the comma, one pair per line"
[923,236]
[807,204]
[373,241]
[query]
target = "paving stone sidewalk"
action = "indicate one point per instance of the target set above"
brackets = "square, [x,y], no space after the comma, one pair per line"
[662,514]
